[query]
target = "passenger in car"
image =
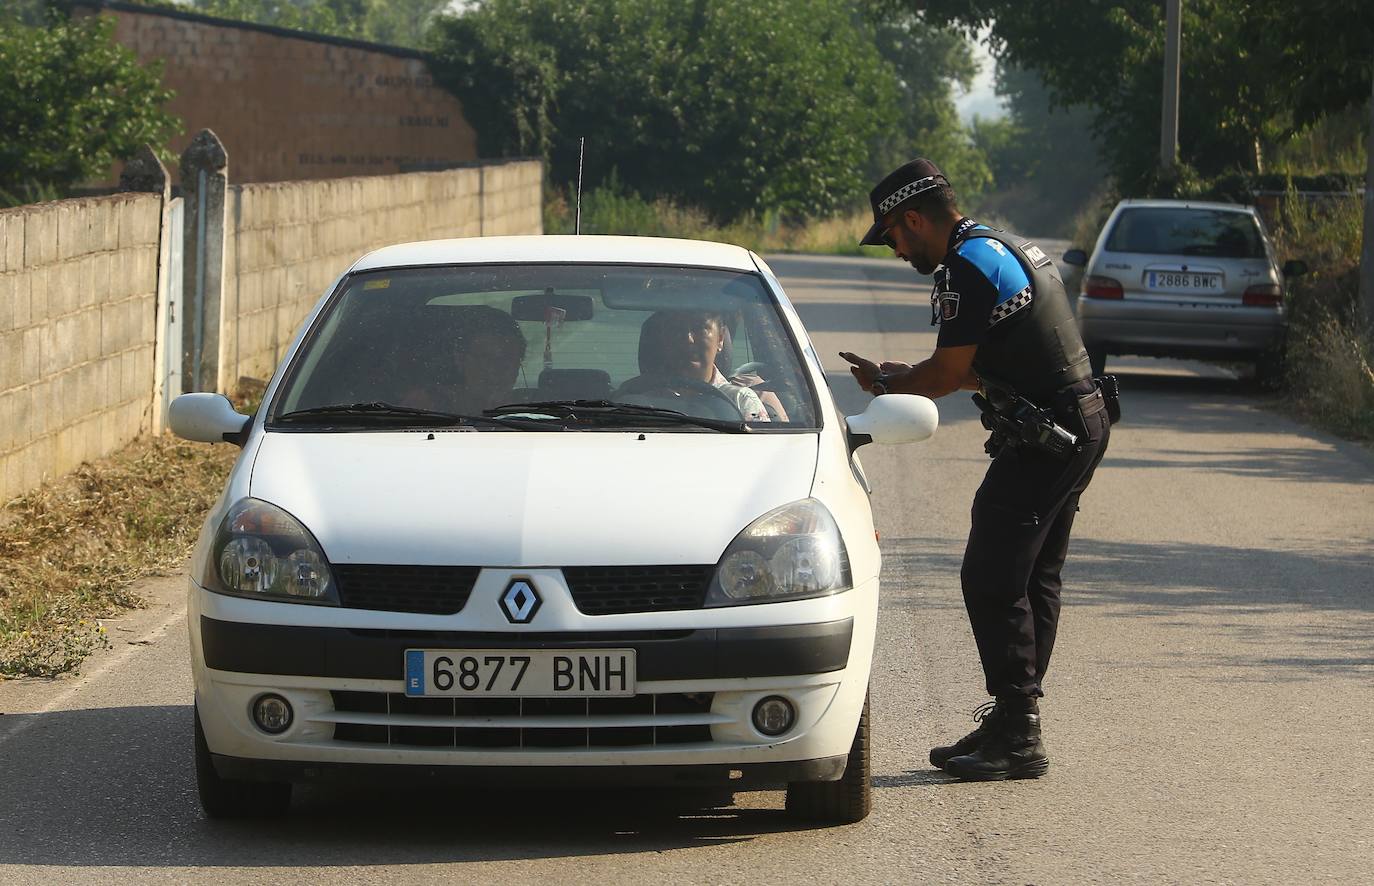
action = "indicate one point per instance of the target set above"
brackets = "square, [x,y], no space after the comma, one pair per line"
[484,348]
[684,345]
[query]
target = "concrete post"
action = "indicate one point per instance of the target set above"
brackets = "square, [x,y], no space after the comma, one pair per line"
[1367,250]
[146,174]
[204,185]
[1168,127]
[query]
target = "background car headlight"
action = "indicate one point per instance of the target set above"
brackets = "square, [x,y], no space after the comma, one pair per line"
[262,551]
[790,553]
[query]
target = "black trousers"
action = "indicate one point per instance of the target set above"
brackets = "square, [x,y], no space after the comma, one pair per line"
[1022,515]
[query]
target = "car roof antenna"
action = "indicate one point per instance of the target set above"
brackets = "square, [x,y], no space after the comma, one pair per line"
[581,150]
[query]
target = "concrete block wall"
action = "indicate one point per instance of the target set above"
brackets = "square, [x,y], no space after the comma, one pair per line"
[287,242]
[78,293]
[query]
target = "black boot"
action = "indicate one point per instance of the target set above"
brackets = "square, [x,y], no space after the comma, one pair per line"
[986,717]
[1013,750]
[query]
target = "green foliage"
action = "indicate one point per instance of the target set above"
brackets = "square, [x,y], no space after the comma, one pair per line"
[928,62]
[736,108]
[72,102]
[1234,105]
[394,22]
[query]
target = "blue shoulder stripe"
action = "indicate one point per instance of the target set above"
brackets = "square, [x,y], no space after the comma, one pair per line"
[995,262]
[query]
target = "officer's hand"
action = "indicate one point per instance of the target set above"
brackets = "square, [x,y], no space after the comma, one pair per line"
[864,371]
[895,367]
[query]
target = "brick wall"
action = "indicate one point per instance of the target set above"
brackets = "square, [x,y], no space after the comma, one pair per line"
[286,243]
[78,292]
[295,106]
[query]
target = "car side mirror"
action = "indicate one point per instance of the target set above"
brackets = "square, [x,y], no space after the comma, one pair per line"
[894,418]
[1076,257]
[1294,268]
[208,418]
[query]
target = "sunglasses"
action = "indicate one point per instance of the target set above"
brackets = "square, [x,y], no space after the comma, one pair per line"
[887,238]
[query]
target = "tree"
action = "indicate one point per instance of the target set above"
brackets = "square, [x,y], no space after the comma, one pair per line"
[395,22]
[928,62]
[733,107]
[1109,56]
[72,102]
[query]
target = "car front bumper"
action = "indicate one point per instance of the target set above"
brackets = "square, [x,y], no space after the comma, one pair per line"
[690,721]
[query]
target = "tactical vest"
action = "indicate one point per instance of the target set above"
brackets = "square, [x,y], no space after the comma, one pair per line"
[1040,352]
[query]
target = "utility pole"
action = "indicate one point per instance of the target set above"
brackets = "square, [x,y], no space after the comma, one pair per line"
[1168,129]
[1367,252]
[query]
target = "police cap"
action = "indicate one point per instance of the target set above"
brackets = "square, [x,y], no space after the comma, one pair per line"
[903,183]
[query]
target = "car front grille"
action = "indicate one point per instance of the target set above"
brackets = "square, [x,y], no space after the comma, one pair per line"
[613,590]
[391,718]
[434,590]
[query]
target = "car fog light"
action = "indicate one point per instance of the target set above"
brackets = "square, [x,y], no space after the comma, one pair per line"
[774,715]
[272,713]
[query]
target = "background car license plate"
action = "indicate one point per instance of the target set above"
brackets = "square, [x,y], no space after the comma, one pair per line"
[536,673]
[1182,280]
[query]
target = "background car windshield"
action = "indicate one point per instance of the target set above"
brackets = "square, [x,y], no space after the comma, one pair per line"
[708,343]
[1182,231]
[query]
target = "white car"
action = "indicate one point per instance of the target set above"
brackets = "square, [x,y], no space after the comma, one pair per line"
[542,510]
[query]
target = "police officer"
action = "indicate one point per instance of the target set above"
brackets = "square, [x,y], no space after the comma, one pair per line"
[1006,330]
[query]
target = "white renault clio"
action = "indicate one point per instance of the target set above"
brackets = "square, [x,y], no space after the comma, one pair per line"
[542,510]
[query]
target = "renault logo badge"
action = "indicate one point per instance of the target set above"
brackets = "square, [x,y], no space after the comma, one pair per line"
[520,602]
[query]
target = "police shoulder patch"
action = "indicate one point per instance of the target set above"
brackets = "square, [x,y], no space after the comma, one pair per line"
[949,305]
[1035,255]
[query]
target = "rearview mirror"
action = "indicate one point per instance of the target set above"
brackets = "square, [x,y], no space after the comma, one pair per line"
[894,418]
[208,418]
[538,307]
[1076,257]
[1294,267]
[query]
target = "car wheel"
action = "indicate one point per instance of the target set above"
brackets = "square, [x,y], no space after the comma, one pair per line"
[228,798]
[847,800]
[1097,358]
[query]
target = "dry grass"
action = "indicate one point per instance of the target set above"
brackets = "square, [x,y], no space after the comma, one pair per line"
[611,211]
[71,551]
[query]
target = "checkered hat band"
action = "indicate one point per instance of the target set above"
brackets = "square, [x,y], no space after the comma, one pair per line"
[910,189]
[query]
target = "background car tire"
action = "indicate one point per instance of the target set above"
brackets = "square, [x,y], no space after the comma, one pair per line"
[1097,358]
[847,800]
[227,798]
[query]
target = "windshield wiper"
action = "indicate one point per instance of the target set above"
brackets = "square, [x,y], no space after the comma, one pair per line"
[390,412]
[609,411]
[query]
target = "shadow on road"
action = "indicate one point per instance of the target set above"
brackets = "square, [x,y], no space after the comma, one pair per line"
[115,786]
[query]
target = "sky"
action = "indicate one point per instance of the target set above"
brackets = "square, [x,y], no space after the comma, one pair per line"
[981,100]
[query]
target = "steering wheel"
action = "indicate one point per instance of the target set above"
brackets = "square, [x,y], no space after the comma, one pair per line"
[713,399]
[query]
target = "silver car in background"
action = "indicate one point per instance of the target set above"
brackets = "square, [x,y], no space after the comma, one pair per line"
[1172,278]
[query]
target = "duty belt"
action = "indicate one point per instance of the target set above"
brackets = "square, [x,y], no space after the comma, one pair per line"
[1016,421]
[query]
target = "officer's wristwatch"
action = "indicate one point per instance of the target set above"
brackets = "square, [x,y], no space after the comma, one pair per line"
[879,385]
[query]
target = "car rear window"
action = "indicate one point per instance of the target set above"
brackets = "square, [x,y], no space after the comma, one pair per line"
[1184,231]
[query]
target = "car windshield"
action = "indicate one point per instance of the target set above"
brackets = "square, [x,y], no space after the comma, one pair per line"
[1185,231]
[597,346]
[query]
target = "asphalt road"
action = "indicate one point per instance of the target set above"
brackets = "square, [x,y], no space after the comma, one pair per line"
[1208,715]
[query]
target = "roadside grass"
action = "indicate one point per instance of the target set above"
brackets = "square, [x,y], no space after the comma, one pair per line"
[1327,369]
[610,210]
[71,551]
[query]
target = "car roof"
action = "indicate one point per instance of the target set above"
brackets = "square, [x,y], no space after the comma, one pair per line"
[1186,204]
[561,249]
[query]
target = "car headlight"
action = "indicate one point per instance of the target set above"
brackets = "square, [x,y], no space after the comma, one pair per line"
[789,553]
[263,552]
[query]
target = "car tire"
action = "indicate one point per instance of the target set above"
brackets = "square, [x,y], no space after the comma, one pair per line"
[1097,358]
[229,798]
[847,800]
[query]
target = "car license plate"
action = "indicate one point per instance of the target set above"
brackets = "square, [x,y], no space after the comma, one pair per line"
[533,673]
[1183,280]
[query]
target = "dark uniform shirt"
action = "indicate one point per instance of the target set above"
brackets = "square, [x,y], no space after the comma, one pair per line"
[980,285]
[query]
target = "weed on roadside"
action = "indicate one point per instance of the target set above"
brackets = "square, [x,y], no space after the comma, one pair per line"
[71,551]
